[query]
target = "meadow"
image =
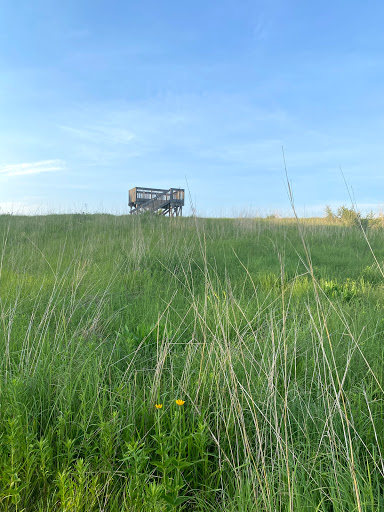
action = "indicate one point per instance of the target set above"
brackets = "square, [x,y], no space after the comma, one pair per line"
[163,364]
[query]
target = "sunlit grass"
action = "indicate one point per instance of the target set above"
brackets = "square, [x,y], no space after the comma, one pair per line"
[168,364]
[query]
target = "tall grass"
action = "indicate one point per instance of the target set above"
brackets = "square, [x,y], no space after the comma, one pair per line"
[274,347]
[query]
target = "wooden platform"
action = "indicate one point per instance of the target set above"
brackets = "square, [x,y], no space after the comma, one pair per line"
[157,200]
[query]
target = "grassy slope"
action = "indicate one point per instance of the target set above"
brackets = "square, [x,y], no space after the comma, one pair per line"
[282,376]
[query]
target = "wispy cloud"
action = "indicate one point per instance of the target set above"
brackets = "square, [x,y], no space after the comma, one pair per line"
[32,168]
[105,134]
[186,125]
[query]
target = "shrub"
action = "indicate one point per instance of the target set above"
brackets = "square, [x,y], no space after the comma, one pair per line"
[348,216]
[329,215]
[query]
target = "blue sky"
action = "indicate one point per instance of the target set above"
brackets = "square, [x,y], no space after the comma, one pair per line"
[98,97]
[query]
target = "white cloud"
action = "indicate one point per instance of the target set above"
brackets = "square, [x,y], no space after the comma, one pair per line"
[32,168]
[102,134]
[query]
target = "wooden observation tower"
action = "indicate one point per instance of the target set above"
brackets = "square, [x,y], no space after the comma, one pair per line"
[156,200]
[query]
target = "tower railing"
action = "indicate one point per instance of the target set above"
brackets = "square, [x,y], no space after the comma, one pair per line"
[165,202]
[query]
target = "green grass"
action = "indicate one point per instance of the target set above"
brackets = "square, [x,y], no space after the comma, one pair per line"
[272,335]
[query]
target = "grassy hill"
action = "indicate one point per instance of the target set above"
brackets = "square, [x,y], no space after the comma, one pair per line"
[270,333]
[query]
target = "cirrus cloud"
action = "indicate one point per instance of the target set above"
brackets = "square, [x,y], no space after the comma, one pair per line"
[32,168]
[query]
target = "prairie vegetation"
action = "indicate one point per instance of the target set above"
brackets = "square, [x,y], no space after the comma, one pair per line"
[271,335]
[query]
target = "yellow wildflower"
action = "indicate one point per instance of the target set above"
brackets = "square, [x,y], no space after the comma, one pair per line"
[180,402]
[158,406]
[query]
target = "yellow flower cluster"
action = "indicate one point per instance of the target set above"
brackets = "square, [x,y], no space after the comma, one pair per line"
[179,402]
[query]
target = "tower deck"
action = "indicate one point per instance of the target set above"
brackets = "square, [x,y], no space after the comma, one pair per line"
[165,202]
